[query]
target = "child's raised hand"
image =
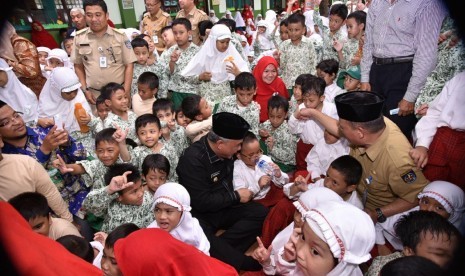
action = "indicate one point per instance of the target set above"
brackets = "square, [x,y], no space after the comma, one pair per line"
[269,142]
[60,164]
[337,45]
[290,252]
[232,68]
[119,183]
[120,134]
[205,76]
[261,253]
[263,133]
[53,140]
[175,56]
[264,180]
[100,237]
[300,182]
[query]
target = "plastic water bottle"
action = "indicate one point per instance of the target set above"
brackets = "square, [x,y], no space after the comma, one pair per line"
[265,167]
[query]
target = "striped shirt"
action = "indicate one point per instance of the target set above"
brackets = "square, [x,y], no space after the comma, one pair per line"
[403,28]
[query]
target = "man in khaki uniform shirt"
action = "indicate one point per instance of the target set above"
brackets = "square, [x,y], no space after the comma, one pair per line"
[390,180]
[101,54]
[189,11]
[155,20]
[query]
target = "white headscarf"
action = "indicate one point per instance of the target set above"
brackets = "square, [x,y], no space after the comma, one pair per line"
[239,20]
[313,197]
[188,229]
[247,46]
[309,21]
[17,95]
[209,59]
[61,55]
[43,49]
[129,32]
[213,18]
[450,196]
[51,104]
[348,231]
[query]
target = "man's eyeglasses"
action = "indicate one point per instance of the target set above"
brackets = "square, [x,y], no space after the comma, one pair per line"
[8,121]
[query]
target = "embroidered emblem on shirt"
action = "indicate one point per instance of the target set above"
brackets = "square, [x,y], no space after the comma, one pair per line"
[409,176]
[214,176]
[128,44]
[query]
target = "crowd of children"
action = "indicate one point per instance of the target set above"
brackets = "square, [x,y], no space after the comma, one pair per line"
[116,167]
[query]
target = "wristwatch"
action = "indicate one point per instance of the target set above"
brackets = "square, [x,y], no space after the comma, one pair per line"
[381,217]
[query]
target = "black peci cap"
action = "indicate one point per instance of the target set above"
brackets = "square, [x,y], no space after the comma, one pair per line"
[230,126]
[359,106]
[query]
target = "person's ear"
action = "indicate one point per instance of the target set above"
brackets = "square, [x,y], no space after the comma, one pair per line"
[322,98]
[350,188]
[108,103]
[408,251]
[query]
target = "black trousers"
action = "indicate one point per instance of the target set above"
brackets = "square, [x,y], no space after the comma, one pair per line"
[243,223]
[391,81]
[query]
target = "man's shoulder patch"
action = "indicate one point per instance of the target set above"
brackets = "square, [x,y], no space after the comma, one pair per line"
[409,176]
[128,44]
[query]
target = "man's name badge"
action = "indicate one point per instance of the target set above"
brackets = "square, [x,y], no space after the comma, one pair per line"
[103,62]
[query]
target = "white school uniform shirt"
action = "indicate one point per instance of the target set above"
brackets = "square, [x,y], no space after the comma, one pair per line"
[245,177]
[331,91]
[445,110]
[322,154]
[311,131]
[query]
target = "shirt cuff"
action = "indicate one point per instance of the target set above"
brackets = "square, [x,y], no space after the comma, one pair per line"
[42,157]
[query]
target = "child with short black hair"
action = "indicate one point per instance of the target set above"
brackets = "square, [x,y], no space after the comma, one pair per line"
[153,55]
[147,87]
[171,131]
[120,115]
[334,32]
[122,200]
[296,98]
[167,36]
[102,108]
[277,140]
[141,50]
[199,111]
[181,119]
[350,52]
[107,151]
[283,33]
[34,208]
[155,171]
[257,172]
[298,55]
[242,104]
[342,176]
[148,130]
[327,70]
[108,264]
[422,232]
[68,45]
[323,153]
[77,246]
[176,58]
[309,130]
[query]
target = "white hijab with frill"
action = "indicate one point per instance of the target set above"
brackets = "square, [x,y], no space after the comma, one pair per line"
[17,95]
[209,59]
[188,229]
[52,104]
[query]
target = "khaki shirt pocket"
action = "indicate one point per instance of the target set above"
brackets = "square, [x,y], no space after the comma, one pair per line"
[86,54]
[117,54]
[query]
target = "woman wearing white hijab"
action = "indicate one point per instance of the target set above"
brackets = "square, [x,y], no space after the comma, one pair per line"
[345,236]
[17,95]
[58,97]
[187,229]
[212,17]
[444,198]
[270,19]
[216,64]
